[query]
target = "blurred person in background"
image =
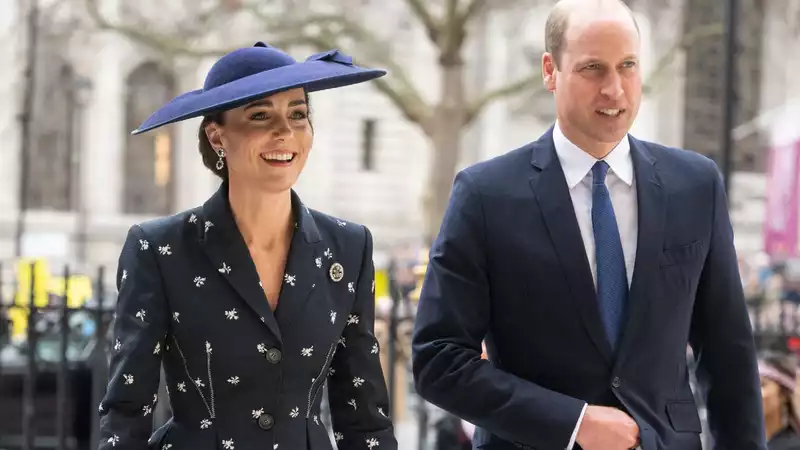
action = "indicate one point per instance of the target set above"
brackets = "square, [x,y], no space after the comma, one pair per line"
[780,399]
[251,301]
[587,260]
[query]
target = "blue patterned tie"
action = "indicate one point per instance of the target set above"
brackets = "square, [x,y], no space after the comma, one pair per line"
[612,281]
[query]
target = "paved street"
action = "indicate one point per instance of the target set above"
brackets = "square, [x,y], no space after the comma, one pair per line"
[406,433]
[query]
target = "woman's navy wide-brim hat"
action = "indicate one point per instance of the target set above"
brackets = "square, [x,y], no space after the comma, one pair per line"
[247,74]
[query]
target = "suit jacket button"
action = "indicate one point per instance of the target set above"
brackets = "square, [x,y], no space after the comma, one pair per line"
[265,421]
[274,355]
[616,382]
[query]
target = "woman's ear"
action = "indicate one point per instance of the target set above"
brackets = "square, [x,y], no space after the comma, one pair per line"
[214,135]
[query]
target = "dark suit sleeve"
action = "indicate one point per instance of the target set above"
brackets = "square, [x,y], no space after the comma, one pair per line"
[357,391]
[722,340]
[452,320]
[140,327]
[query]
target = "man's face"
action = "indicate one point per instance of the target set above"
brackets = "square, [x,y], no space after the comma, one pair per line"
[597,82]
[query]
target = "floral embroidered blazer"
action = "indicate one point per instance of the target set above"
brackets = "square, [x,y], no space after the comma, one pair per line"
[238,375]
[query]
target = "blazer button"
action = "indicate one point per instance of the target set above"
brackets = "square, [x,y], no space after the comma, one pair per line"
[616,382]
[265,421]
[274,355]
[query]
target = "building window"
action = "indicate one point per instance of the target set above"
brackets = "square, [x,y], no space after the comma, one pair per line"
[368,144]
[149,157]
[52,152]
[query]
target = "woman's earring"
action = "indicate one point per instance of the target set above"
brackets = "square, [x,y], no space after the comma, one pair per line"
[221,160]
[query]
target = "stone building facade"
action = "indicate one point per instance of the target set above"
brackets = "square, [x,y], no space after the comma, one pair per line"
[89,180]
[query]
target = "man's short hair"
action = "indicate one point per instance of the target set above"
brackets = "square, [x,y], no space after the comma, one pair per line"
[555,29]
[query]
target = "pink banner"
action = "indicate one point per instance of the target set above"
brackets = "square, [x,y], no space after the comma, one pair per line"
[783,201]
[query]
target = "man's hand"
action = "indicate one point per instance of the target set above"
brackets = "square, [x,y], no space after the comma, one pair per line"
[605,428]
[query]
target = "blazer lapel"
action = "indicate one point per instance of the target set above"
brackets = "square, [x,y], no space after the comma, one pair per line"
[225,248]
[305,268]
[651,203]
[552,193]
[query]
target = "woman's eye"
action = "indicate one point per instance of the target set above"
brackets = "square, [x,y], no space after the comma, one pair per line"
[299,115]
[258,116]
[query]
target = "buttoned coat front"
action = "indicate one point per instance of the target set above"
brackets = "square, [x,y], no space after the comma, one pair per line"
[238,375]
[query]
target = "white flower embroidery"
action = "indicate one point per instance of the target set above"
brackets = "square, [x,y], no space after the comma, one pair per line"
[374,350]
[208,347]
[358,382]
[328,254]
[166,446]
[175,316]
[147,409]
[124,275]
[261,348]
[372,443]
[352,403]
[233,380]
[232,314]
[338,436]
[351,287]
[333,316]
[143,244]
[342,341]
[353,319]
[155,398]
[199,383]
[204,424]
[341,223]
[331,371]
[117,345]
[257,413]
[316,419]
[113,440]
[199,281]
[290,279]
[318,262]
[307,351]
[128,378]
[100,408]
[227,444]
[157,350]
[294,412]
[141,314]
[181,387]
[208,225]
[380,411]
[193,218]
[165,249]
[225,268]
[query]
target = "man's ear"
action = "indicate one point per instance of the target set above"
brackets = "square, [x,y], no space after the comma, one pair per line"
[549,71]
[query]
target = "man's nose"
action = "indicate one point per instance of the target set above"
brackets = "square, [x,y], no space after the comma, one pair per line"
[612,88]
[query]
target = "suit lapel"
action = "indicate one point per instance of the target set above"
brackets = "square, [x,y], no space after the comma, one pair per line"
[651,203]
[552,193]
[304,268]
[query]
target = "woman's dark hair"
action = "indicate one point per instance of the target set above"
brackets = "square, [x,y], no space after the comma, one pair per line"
[207,151]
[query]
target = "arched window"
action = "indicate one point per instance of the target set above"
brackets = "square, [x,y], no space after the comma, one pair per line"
[148,164]
[52,153]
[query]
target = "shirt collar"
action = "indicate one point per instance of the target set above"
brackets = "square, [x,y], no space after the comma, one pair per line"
[576,163]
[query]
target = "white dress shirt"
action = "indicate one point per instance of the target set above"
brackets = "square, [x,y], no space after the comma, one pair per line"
[577,166]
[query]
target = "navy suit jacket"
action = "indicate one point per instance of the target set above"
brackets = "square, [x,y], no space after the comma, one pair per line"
[509,266]
[238,375]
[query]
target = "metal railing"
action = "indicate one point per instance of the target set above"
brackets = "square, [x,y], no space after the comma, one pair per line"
[60,364]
